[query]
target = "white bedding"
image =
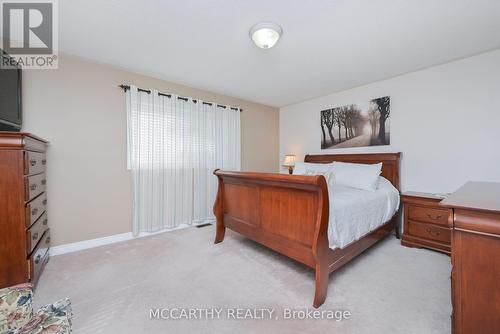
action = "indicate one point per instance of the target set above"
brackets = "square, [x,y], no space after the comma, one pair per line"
[354,212]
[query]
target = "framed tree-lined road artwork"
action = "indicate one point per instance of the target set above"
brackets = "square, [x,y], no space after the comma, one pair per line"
[357,125]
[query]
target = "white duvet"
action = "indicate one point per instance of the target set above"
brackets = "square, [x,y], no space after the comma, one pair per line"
[354,212]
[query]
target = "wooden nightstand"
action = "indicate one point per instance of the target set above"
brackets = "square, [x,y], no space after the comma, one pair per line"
[426,223]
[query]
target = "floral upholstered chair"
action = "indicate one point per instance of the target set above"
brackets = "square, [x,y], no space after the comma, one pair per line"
[17,317]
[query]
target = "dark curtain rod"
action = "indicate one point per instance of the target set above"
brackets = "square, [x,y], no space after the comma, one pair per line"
[127,87]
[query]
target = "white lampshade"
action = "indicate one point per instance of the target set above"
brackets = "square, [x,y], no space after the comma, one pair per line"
[265,35]
[289,160]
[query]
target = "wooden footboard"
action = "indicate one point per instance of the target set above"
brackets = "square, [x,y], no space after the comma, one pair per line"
[289,214]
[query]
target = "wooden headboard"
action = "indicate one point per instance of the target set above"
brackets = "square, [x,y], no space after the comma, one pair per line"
[390,162]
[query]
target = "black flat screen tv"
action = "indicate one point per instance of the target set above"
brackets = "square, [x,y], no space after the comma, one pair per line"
[11,116]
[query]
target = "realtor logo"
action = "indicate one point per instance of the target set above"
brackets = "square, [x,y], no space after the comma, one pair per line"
[29,34]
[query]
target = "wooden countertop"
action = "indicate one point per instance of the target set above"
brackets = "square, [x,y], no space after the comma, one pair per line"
[480,196]
[432,196]
[15,134]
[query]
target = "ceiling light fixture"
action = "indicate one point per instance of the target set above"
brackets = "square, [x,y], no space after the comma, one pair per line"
[265,35]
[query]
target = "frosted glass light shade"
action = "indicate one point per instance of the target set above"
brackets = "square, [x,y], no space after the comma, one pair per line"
[289,160]
[265,35]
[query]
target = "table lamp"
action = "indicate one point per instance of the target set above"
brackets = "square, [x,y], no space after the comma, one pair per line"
[289,162]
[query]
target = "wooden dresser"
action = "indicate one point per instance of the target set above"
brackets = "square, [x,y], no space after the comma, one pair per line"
[475,256]
[24,231]
[426,223]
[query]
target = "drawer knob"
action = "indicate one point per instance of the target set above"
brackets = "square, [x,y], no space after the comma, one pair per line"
[44,162]
[32,163]
[44,182]
[434,218]
[45,221]
[33,186]
[38,257]
[35,236]
[34,211]
[47,241]
[44,202]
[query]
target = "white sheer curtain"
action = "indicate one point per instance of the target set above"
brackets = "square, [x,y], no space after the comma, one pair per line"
[173,148]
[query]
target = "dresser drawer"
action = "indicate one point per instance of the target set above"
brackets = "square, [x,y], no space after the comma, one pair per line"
[34,144]
[429,231]
[35,208]
[35,232]
[429,215]
[39,257]
[34,185]
[34,162]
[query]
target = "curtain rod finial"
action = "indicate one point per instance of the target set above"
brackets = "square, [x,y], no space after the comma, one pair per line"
[124,87]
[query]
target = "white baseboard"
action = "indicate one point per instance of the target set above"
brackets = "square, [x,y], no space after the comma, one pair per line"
[86,244]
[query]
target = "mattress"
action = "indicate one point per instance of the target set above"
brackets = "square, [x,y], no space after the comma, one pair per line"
[355,213]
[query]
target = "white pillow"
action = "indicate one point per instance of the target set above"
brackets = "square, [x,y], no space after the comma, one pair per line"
[301,167]
[328,175]
[359,176]
[385,184]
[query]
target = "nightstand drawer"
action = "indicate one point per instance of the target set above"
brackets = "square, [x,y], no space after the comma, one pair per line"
[428,215]
[429,231]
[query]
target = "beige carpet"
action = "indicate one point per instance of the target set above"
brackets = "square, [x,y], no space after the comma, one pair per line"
[388,289]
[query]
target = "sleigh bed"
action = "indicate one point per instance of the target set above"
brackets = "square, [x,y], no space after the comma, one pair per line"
[290,214]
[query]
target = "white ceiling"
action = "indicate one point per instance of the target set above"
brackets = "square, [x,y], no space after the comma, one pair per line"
[327,46]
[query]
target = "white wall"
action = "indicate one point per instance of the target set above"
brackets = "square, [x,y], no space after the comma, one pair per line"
[445,120]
